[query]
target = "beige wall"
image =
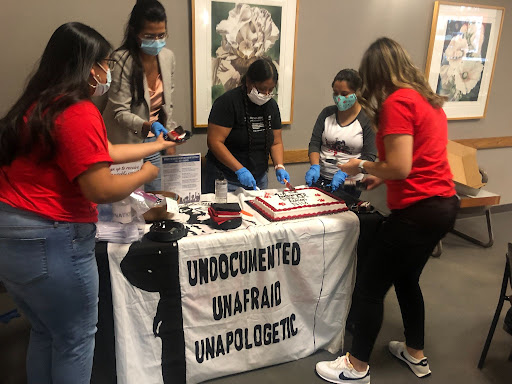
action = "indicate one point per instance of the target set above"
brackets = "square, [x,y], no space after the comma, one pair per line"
[332,35]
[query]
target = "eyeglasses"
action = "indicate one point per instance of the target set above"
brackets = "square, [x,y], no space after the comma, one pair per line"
[271,93]
[111,64]
[154,36]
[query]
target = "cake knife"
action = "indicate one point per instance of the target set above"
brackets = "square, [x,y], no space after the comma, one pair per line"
[288,185]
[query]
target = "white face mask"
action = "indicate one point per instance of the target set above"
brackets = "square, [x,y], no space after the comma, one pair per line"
[100,89]
[258,98]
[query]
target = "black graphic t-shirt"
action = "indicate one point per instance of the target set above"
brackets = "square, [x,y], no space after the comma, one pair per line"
[229,111]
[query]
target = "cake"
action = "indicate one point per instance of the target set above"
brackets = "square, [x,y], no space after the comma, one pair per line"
[296,204]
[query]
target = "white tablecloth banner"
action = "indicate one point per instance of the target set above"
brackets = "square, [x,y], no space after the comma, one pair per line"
[250,298]
[138,351]
[281,292]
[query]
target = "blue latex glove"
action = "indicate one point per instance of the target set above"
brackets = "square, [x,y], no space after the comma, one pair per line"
[281,174]
[338,180]
[246,178]
[157,128]
[313,174]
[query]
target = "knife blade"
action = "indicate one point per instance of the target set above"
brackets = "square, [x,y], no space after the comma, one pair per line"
[288,185]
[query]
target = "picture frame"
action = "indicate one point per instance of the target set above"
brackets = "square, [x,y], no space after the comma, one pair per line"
[463,49]
[224,44]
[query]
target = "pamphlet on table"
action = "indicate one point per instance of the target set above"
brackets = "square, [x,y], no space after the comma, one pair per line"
[182,174]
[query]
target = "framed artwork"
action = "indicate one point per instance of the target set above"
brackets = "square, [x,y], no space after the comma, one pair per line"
[228,36]
[462,53]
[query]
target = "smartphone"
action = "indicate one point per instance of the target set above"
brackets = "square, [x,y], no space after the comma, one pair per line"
[178,135]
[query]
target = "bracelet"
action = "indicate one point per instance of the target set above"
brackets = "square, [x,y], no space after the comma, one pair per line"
[361,166]
[279,166]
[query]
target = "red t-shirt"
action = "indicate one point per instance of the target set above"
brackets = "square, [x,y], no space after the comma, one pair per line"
[50,188]
[406,112]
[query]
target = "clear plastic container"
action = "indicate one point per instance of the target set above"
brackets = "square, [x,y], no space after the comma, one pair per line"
[221,189]
[122,211]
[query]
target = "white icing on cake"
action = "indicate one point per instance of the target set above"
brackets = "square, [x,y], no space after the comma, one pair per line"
[303,202]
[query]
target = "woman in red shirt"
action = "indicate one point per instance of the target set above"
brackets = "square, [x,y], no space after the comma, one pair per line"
[411,142]
[54,168]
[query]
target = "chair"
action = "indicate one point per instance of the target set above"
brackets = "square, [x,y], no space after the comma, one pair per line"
[507,279]
[483,199]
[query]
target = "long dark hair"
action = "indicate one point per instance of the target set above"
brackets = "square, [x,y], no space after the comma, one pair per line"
[259,71]
[60,81]
[385,68]
[143,10]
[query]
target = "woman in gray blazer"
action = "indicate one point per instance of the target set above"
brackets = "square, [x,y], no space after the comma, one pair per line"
[139,105]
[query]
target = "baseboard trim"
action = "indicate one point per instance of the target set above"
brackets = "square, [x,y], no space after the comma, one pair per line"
[501,208]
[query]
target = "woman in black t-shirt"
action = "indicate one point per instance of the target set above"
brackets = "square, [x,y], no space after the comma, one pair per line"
[244,127]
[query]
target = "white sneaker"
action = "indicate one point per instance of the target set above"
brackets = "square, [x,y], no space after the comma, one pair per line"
[419,367]
[342,371]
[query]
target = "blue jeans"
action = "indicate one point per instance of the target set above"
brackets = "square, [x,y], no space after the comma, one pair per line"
[50,271]
[156,160]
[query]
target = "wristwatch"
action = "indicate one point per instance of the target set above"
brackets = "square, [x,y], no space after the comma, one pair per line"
[361,166]
[279,166]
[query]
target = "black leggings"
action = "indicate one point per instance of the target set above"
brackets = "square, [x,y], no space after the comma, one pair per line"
[403,244]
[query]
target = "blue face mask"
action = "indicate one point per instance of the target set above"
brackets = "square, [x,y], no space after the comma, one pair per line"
[101,88]
[152,47]
[345,102]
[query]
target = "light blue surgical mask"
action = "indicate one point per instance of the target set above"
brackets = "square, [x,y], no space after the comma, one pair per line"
[101,88]
[344,102]
[152,47]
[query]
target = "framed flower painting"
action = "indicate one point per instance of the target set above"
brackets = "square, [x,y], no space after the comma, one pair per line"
[228,36]
[462,53]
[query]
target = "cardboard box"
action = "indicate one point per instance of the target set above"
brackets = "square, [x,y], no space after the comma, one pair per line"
[464,166]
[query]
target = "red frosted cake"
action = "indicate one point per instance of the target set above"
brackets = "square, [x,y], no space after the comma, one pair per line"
[302,202]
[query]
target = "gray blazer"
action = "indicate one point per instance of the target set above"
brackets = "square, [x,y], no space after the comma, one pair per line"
[123,118]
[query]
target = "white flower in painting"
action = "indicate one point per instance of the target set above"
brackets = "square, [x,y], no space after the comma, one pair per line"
[468,75]
[456,50]
[247,33]
[447,77]
[447,72]
[474,34]
[227,74]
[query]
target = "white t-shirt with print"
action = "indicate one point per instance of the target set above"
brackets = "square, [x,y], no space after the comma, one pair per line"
[340,144]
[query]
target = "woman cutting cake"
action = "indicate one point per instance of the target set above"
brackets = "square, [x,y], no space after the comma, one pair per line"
[244,128]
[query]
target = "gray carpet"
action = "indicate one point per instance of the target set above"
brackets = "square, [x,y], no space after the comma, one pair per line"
[461,291]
